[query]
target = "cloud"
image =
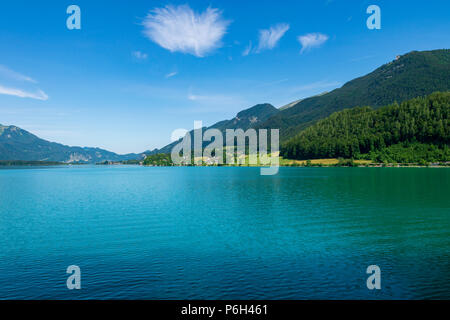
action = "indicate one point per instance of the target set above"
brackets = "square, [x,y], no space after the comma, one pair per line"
[38,95]
[211,102]
[172,74]
[268,39]
[247,50]
[180,29]
[211,98]
[194,97]
[5,71]
[18,79]
[312,40]
[140,55]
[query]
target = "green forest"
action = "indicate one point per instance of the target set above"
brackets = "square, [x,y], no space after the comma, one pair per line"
[416,131]
[160,159]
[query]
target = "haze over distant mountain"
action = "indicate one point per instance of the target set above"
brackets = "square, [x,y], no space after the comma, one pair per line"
[411,75]
[19,144]
[244,120]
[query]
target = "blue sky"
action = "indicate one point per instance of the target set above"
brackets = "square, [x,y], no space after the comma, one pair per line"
[136,71]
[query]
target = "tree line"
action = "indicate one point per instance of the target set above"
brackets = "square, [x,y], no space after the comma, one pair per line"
[388,132]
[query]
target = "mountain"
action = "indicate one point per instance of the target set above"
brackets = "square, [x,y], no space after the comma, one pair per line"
[417,129]
[290,105]
[244,120]
[248,118]
[411,75]
[19,144]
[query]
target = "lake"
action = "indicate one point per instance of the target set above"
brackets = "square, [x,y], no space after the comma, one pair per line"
[224,233]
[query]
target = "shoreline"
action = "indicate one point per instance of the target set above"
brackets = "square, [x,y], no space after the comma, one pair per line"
[319,163]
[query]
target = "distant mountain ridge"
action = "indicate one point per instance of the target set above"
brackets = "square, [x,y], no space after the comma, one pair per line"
[19,144]
[246,119]
[411,75]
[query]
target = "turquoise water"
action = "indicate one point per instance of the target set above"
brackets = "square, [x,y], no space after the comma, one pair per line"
[224,233]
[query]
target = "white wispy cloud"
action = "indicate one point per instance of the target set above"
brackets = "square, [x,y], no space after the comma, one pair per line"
[312,40]
[268,38]
[180,29]
[172,74]
[38,95]
[247,49]
[215,102]
[19,79]
[209,98]
[139,55]
[194,97]
[6,72]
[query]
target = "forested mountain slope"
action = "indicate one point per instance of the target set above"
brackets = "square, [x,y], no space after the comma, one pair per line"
[353,133]
[411,75]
